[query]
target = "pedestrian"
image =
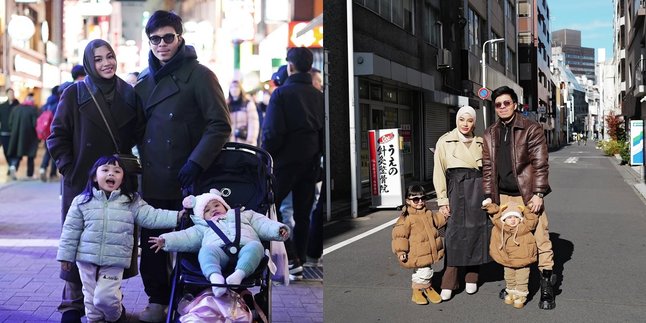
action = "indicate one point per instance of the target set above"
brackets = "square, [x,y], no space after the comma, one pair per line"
[211,213]
[131,78]
[187,126]
[50,105]
[513,245]
[457,178]
[293,135]
[515,168]
[5,131]
[23,141]
[98,236]
[417,243]
[80,136]
[317,78]
[244,116]
[262,100]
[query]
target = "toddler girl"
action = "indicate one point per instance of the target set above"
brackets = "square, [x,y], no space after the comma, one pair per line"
[417,243]
[212,257]
[98,235]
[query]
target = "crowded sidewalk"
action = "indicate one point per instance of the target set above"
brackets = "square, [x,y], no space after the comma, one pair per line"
[30,287]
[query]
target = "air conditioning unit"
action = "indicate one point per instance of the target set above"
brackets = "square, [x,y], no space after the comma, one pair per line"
[443,59]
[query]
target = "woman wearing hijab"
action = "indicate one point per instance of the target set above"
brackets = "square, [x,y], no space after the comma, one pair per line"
[80,136]
[457,177]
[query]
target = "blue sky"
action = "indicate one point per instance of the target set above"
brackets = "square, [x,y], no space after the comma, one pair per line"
[593,18]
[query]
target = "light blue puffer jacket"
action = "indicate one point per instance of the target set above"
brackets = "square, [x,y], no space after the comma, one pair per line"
[101,231]
[253,227]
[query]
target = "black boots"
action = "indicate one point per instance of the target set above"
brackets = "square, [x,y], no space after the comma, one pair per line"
[548,280]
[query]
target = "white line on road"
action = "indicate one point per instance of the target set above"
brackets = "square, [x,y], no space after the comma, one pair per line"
[28,242]
[358,237]
[571,160]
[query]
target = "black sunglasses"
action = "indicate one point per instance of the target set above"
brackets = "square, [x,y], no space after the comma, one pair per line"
[168,39]
[416,199]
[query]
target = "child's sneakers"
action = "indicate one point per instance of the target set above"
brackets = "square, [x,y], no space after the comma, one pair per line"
[418,297]
[432,295]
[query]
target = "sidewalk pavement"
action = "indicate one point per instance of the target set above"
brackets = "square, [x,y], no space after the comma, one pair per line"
[30,288]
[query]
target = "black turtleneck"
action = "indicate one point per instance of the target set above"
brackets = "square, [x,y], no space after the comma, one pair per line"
[507,183]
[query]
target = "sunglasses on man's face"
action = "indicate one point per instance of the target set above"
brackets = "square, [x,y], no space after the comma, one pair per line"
[168,39]
[506,103]
[417,199]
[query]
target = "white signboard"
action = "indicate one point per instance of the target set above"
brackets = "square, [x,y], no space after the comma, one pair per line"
[386,168]
[636,142]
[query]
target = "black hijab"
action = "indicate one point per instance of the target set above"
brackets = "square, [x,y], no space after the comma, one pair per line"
[107,86]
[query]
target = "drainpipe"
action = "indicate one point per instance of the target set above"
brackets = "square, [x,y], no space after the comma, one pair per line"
[352,108]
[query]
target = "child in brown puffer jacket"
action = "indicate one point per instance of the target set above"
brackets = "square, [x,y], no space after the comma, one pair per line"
[513,245]
[417,243]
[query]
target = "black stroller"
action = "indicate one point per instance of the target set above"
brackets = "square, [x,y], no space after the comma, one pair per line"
[243,173]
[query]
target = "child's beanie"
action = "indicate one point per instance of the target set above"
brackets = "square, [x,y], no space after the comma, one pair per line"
[512,209]
[198,203]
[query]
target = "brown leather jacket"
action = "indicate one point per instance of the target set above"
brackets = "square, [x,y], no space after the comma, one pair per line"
[529,158]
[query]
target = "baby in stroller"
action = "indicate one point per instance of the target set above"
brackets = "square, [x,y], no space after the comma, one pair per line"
[233,237]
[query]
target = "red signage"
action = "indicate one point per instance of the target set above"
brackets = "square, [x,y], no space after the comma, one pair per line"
[374,181]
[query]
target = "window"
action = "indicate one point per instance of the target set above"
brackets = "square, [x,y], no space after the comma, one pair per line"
[495,51]
[385,10]
[474,28]
[398,12]
[432,27]
[524,9]
[511,61]
[510,12]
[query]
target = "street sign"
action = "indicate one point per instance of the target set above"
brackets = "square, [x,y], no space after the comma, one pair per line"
[542,109]
[484,93]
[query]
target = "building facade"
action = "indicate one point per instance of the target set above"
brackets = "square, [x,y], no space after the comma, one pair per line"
[579,59]
[534,47]
[414,63]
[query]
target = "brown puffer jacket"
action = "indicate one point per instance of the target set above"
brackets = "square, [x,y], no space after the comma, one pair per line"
[514,247]
[415,233]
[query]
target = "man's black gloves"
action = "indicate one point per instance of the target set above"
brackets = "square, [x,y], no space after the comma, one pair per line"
[188,174]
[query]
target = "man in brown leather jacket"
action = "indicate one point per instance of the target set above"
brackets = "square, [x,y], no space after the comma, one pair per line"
[515,168]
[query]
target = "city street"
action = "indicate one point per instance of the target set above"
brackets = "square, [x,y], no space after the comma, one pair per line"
[30,288]
[597,225]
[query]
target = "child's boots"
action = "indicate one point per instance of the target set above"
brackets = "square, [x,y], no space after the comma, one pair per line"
[418,297]
[432,295]
[519,299]
[509,296]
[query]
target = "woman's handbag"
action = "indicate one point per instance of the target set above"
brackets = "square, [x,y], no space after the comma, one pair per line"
[129,162]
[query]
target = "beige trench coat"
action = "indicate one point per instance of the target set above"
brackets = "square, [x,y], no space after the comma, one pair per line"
[450,152]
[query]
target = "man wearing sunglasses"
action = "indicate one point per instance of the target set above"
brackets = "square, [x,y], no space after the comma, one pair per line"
[515,169]
[187,125]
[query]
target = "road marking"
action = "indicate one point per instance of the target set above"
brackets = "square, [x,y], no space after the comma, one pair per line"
[358,237]
[29,243]
[571,160]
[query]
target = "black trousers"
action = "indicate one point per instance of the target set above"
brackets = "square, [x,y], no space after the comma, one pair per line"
[315,242]
[300,179]
[155,267]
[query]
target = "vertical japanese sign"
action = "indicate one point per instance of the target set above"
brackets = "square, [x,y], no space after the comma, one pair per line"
[636,142]
[386,168]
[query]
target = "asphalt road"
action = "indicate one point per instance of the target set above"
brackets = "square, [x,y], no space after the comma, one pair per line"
[597,226]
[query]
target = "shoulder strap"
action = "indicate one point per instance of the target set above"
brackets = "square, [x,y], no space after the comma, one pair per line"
[114,141]
[236,241]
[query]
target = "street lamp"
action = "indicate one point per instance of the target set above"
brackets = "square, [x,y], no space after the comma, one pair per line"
[484,74]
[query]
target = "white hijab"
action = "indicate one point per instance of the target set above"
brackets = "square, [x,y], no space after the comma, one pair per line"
[471,112]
